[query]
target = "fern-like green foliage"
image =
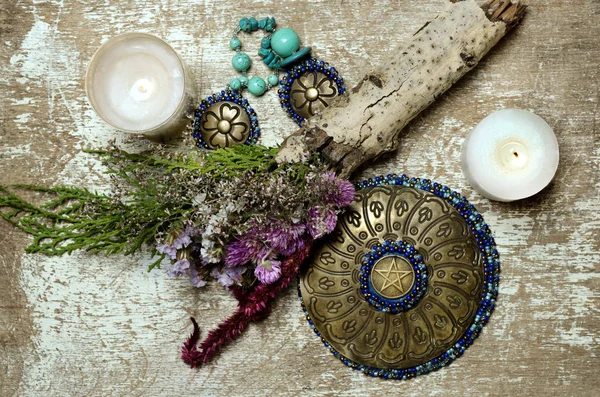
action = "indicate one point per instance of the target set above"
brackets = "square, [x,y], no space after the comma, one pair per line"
[75,218]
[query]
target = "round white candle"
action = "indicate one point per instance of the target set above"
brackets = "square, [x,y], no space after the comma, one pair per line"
[510,155]
[137,83]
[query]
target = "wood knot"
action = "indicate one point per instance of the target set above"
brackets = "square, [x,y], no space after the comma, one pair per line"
[468,59]
[376,81]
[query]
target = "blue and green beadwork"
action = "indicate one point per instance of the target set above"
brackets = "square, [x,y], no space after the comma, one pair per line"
[404,284]
[460,280]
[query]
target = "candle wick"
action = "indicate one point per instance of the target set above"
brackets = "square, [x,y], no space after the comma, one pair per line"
[516,154]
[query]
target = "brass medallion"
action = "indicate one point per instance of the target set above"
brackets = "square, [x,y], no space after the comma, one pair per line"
[309,87]
[311,93]
[400,284]
[224,124]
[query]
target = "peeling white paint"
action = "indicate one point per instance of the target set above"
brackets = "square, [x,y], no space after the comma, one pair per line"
[90,309]
[22,118]
[578,337]
[15,151]
[35,57]
[22,101]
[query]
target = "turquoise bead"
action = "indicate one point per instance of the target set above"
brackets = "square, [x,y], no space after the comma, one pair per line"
[241,62]
[285,42]
[270,24]
[270,56]
[273,79]
[253,24]
[262,23]
[245,25]
[275,63]
[243,80]
[257,86]
[265,42]
[235,43]
[235,84]
[297,56]
[263,52]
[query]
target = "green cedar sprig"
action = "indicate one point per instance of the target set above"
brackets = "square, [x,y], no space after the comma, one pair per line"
[75,218]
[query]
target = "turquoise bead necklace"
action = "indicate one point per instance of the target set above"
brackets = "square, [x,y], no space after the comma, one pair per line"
[278,49]
[226,119]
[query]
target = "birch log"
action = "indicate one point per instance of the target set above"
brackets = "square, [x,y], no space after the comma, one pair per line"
[367,123]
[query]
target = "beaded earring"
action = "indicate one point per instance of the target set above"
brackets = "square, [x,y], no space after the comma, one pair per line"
[226,119]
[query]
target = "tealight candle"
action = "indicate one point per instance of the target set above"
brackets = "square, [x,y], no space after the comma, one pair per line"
[137,83]
[510,155]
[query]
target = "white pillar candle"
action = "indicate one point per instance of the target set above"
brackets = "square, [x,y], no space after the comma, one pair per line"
[510,155]
[137,83]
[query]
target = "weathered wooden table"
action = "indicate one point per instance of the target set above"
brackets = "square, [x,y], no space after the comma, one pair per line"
[85,325]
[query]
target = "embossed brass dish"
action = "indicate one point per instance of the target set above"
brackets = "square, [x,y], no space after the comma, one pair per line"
[375,308]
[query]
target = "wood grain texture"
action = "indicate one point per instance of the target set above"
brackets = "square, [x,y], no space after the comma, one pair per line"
[84,325]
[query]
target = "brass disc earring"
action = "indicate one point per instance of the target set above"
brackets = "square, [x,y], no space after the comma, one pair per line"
[308,88]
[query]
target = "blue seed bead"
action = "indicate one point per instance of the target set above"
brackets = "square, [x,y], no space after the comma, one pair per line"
[243,80]
[253,24]
[272,79]
[241,61]
[257,86]
[235,43]
[235,84]
[285,42]
[245,25]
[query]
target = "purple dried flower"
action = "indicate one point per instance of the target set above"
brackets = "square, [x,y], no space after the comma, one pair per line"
[285,238]
[179,267]
[243,250]
[336,191]
[167,249]
[228,275]
[321,221]
[268,271]
[182,241]
[192,231]
[196,280]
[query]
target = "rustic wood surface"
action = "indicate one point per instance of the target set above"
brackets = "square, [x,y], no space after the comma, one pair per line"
[83,325]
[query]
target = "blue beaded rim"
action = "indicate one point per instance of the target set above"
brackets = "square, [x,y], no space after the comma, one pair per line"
[224,96]
[311,64]
[406,301]
[487,302]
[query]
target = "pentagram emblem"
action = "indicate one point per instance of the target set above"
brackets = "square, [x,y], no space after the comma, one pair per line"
[392,276]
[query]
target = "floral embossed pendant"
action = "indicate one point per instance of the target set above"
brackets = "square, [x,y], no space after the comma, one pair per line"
[406,281]
[223,120]
[308,88]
